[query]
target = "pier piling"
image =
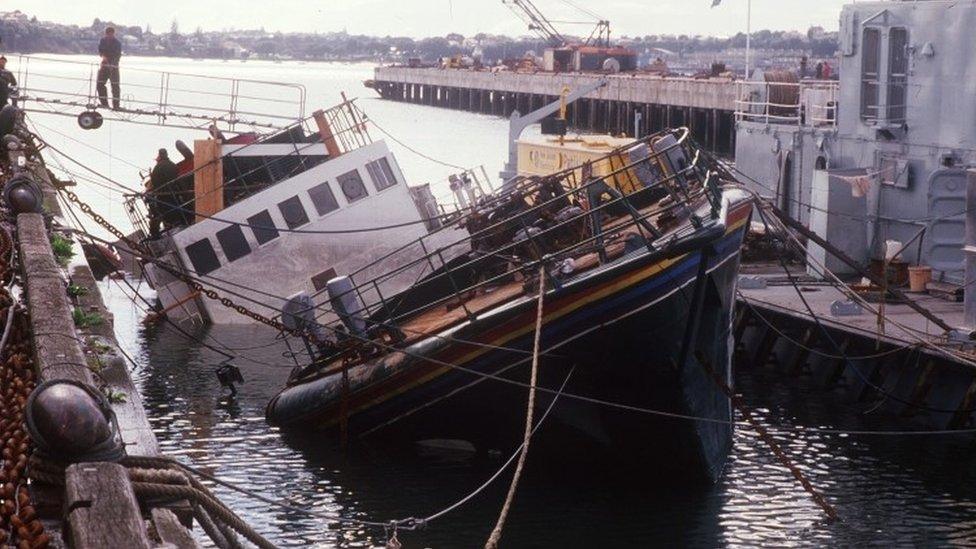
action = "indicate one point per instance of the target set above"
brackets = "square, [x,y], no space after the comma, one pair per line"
[704,105]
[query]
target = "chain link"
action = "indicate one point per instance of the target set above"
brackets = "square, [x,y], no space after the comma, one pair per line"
[178,273]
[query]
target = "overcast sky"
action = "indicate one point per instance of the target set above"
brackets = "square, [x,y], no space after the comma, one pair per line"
[439,17]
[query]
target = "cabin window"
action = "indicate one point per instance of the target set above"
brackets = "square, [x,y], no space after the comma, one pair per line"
[897,73]
[202,256]
[381,173]
[352,185]
[232,241]
[870,65]
[293,212]
[323,199]
[263,227]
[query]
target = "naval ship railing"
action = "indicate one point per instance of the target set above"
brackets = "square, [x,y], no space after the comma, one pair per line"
[688,179]
[179,99]
[804,103]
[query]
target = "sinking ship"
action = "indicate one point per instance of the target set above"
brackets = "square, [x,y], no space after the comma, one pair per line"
[266,217]
[635,254]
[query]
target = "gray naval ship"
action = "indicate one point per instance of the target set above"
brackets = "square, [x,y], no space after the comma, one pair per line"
[882,154]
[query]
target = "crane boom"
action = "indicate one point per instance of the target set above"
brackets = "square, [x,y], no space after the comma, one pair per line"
[537,22]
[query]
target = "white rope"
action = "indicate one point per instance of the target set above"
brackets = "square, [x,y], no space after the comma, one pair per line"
[496,533]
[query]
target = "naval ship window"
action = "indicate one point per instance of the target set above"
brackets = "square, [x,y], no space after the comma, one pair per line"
[352,185]
[897,73]
[323,199]
[263,227]
[232,241]
[293,212]
[381,173]
[202,256]
[870,65]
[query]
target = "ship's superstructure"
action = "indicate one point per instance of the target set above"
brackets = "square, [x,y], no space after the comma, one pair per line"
[883,154]
[271,218]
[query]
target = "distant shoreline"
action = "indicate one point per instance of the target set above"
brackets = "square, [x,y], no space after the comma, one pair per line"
[10,54]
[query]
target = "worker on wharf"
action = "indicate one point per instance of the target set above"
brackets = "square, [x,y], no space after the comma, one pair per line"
[7,81]
[110,49]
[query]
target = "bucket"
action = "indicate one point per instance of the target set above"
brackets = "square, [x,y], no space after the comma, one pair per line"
[918,277]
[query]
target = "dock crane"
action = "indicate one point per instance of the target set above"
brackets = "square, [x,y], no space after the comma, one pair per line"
[518,122]
[537,22]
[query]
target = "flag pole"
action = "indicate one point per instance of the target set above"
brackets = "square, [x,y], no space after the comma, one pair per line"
[748,34]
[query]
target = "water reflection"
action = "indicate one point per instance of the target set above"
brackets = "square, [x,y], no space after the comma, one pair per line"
[888,491]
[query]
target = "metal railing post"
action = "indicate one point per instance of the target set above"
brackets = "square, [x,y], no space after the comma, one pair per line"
[457,292]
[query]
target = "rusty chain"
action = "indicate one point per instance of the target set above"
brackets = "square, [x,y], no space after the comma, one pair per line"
[178,273]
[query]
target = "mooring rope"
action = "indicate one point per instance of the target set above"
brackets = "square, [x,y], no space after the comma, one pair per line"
[766,437]
[496,533]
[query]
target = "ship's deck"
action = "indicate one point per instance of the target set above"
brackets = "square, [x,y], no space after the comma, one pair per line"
[902,326]
[438,318]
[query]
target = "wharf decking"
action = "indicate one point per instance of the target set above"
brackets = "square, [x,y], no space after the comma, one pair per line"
[96,507]
[781,296]
[906,363]
[706,105]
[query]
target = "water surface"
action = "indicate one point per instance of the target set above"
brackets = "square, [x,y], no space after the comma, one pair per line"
[888,491]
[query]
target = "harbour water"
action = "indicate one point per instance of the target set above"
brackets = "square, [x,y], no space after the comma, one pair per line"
[887,490]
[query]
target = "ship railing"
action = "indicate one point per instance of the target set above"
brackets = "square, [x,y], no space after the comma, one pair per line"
[695,182]
[466,189]
[347,129]
[135,210]
[804,103]
[68,87]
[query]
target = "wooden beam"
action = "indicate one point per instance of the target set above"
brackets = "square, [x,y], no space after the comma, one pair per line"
[208,178]
[101,508]
[170,530]
[325,131]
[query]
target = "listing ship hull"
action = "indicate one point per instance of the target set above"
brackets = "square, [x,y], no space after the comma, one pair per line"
[619,330]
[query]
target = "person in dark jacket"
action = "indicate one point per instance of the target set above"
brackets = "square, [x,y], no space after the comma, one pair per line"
[7,81]
[161,197]
[110,49]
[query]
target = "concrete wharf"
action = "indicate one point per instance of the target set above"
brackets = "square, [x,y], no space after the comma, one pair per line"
[81,466]
[705,105]
[898,362]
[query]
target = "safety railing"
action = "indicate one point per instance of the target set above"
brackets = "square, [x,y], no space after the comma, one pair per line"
[68,87]
[249,169]
[549,219]
[807,103]
[466,190]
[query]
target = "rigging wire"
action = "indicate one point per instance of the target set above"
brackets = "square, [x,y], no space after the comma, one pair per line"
[495,377]
[847,359]
[149,307]
[415,151]
[593,400]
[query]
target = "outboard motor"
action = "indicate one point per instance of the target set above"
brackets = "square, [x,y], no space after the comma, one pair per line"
[298,314]
[346,303]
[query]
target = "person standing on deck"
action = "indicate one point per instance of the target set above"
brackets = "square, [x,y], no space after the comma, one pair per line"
[110,49]
[161,199]
[7,81]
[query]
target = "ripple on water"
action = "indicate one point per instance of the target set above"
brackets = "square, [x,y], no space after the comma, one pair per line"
[888,492]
